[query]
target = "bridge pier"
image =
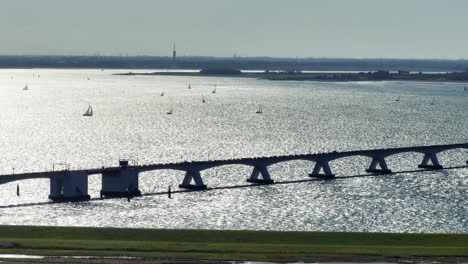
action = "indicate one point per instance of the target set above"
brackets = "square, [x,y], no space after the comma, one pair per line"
[122,182]
[196,177]
[263,171]
[433,158]
[68,187]
[319,165]
[382,164]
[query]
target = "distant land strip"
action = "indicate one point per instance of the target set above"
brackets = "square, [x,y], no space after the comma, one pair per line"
[379,75]
[220,246]
[245,63]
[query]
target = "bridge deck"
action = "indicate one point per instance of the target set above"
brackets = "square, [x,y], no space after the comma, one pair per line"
[263,161]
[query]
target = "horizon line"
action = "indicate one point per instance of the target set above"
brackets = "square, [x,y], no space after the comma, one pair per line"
[234,58]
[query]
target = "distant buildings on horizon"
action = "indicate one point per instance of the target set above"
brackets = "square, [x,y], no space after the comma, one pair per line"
[234,62]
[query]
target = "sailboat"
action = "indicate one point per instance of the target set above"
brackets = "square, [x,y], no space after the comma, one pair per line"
[89,112]
[26,87]
[189,86]
[214,90]
[203,98]
[465,89]
[170,111]
[398,99]
[259,110]
[162,93]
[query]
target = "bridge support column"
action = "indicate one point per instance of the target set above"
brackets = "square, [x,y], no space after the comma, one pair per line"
[327,173]
[433,158]
[69,187]
[382,164]
[120,183]
[196,177]
[263,171]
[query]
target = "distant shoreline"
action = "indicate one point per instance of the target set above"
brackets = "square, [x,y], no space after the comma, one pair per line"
[250,63]
[457,77]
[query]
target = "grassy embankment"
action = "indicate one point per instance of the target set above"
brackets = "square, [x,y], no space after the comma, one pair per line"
[231,245]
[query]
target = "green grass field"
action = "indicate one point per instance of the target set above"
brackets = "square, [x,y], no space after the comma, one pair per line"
[231,245]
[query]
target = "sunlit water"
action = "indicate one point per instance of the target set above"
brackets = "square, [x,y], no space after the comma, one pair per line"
[44,125]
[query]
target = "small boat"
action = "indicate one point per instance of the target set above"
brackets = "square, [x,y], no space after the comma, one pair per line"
[465,89]
[203,99]
[162,93]
[89,79]
[89,112]
[170,111]
[398,99]
[26,87]
[259,110]
[189,86]
[432,102]
[214,90]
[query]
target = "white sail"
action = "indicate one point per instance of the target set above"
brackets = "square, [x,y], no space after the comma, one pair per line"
[203,98]
[89,112]
[170,111]
[259,110]
[214,90]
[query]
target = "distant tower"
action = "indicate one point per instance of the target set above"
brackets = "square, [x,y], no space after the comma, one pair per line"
[174,54]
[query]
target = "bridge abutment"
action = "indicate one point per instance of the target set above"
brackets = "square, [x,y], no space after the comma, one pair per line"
[260,171]
[380,161]
[197,179]
[432,157]
[70,186]
[319,166]
[120,183]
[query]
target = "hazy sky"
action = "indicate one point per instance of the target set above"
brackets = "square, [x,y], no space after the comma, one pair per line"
[277,28]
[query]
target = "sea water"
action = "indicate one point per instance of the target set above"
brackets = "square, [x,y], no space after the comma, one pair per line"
[44,128]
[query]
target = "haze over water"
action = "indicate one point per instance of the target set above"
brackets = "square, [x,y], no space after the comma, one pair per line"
[44,125]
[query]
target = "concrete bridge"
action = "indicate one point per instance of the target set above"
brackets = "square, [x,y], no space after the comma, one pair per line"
[122,181]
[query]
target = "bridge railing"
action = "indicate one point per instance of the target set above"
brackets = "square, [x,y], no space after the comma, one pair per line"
[123,180]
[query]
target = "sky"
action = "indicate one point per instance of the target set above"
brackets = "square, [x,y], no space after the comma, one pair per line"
[432,29]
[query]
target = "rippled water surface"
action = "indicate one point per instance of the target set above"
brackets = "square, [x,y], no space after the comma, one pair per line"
[44,125]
